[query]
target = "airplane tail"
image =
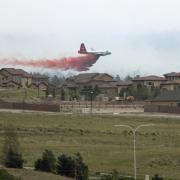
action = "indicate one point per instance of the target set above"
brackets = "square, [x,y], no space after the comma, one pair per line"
[82,48]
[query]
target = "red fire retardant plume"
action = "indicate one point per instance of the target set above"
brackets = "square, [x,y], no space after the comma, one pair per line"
[79,63]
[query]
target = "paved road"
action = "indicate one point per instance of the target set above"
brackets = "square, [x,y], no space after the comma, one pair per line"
[120,113]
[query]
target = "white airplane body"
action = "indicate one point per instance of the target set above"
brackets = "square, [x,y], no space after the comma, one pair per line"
[98,54]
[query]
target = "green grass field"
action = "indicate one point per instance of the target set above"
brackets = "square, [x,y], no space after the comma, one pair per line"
[103,146]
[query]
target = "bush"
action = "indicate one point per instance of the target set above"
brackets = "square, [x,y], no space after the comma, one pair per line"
[65,166]
[46,163]
[81,169]
[115,176]
[72,167]
[12,158]
[156,177]
[4,175]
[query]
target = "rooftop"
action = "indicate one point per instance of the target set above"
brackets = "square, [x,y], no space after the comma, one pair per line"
[86,77]
[149,78]
[16,72]
[177,74]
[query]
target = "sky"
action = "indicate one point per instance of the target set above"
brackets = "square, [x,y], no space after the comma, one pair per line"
[143,35]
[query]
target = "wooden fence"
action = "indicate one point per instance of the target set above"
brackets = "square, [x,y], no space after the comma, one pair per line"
[162,109]
[30,106]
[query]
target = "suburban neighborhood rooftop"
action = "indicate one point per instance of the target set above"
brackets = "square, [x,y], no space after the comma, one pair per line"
[177,74]
[149,78]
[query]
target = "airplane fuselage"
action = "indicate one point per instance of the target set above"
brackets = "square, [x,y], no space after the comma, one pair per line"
[97,54]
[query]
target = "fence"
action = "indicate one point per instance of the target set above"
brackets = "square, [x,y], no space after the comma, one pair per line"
[161,109]
[30,106]
[96,104]
[100,107]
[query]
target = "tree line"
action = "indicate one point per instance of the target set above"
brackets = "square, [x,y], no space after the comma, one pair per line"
[70,166]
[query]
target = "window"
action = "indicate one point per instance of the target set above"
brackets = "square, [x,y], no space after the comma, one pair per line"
[150,83]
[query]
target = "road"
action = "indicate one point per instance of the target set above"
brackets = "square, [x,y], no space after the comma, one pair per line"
[132,113]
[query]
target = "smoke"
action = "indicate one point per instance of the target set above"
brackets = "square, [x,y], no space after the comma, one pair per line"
[79,63]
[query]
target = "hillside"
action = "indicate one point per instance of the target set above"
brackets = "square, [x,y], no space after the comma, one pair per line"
[34,175]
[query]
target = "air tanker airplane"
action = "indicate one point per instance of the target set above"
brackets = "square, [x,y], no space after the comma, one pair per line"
[98,54]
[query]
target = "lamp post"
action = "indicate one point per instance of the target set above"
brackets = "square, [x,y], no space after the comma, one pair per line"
[91,95]
[24,97]
[134,130]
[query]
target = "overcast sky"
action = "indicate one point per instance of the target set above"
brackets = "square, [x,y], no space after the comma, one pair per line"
[143,35]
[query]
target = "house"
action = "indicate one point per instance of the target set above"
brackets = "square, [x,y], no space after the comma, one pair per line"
[41,86]
[169,85]
[10,84]
[90,79]
[173,76]
[109,90]
[14,76]
[149,81]
[17,78]
[39,78]
[123,85]
[104,81]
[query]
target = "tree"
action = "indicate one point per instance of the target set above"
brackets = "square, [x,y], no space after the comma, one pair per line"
[115,176]
[12,158]
[90,92]
[62,94]
[81,169]
[65,166]
[128,77]
[47,92]
[96,91]
[129,91]
[54,92]
[46,163]
[72,167]
[117,78]
[142,92]
[154,92]
[156,177]
[86,91]
[57,80]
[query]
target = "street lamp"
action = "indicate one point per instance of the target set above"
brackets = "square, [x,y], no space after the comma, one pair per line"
[91,94]
[134,130]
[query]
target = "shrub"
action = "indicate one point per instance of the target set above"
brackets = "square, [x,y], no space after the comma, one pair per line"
[65,166]
[12,158]
[115,176]
[72,167]
[81,169]
[46,163]
[156,177]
